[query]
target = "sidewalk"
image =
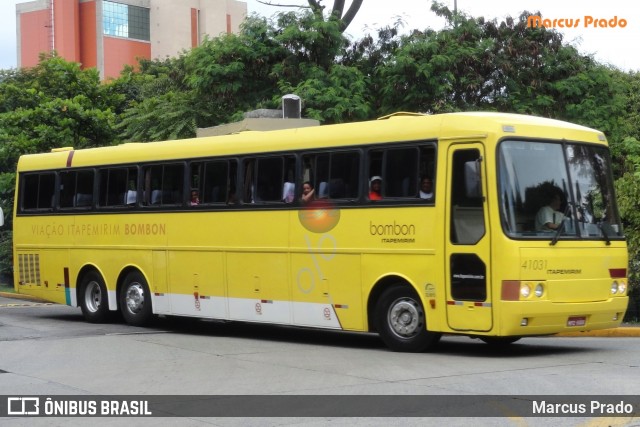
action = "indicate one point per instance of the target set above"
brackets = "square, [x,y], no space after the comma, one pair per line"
[20,296]
[622,331]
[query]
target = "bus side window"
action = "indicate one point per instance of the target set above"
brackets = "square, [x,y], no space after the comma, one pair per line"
[344,175]
[269,179]
[398,168]
[215,182]
[333,175]
[38,191]
[117,186]
[84,189]
[265,178]
[402,170]
[467,215]
[67,189]
[76,189]
[163,184]
[427,172]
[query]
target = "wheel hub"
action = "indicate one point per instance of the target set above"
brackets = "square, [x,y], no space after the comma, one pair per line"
[93,296]
[135,298]
[405,318]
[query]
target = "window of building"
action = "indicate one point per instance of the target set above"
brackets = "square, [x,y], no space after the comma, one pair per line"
[122,20]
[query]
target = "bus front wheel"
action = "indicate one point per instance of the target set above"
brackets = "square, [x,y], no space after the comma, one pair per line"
[93,298]
[135,300]
[401,321]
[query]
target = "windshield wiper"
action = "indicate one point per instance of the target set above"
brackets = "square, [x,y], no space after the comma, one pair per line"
[561,226]
[557,235]
[605,234]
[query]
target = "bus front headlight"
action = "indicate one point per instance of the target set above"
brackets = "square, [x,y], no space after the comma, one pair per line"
[622,287]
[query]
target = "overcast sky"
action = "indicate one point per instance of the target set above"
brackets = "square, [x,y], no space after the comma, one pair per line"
[615,46]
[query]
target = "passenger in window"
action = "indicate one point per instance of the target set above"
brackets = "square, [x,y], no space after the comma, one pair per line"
[548,217]
[195,199]
[308,193]
[426,189]
[375,188]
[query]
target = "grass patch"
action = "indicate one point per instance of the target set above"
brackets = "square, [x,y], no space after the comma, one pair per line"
[6,287]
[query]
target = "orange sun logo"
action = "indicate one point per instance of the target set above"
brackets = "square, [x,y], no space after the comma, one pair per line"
[319,217]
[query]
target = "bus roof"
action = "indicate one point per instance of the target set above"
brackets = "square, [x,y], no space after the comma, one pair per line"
[397,127]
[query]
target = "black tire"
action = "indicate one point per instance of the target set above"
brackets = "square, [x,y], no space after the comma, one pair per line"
[499,341]
[93,298]
[135,300]
[401,321]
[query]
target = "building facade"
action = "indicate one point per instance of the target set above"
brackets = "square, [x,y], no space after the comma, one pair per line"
[109,34]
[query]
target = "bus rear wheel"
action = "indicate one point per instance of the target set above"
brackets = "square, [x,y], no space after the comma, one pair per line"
[135,300]
[401,321]
[94,301]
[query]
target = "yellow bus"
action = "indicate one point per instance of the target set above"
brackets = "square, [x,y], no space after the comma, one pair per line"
[494,226]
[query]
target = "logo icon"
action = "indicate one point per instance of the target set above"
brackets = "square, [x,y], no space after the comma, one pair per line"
[319,216]
[23,406]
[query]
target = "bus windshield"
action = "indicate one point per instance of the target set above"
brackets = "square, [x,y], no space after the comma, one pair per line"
[553,190]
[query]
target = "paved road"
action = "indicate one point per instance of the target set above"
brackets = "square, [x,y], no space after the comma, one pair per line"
[50,350]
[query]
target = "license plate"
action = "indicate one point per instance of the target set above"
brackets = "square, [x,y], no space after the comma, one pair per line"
[577,321]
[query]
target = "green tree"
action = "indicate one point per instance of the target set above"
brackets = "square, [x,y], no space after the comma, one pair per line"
[233,73]
[338,12]
[157,103]
[54,104]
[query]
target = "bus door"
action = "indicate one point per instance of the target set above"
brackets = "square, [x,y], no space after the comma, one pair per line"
[467,245]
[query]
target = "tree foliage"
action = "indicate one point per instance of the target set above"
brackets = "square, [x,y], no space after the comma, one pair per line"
[55,104]
[339,12]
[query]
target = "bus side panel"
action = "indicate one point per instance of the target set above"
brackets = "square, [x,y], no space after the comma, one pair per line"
[310,291]
[161,298]
[196,284]
[258,288]
[44,274]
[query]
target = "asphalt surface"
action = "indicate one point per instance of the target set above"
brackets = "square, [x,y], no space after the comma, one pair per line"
[625,330]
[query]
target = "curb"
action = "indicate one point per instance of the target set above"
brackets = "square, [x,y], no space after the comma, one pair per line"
[21,297]
[622,331]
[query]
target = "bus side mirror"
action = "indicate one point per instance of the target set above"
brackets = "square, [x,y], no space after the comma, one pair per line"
[1,218]
[472,180]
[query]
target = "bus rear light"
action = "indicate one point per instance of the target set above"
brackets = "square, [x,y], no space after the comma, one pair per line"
[618,273]
[524,321]
[539,290]
[525,290]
